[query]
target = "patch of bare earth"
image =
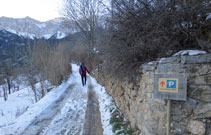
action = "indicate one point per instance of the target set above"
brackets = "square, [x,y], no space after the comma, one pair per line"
[92,125]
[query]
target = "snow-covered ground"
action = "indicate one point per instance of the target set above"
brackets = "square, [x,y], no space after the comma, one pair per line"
[61,111]
[17,102]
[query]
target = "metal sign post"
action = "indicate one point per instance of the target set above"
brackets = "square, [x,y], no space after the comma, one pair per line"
[168,117]
[170,87]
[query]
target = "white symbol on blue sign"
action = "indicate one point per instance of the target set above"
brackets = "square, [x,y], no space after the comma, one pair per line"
[171,84]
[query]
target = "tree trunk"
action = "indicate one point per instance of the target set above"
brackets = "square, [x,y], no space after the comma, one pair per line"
[5,93]
[9,84]
[32,82]
[42,89]
[35,93]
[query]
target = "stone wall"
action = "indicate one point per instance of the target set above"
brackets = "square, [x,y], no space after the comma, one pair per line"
[147,114]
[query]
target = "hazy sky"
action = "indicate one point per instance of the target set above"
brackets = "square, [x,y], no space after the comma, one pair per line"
[41,10]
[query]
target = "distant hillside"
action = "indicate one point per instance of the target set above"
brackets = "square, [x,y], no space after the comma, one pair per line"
[9,42]
[32,28]
[12,46]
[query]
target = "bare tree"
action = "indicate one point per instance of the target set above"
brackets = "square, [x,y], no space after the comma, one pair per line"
[164,25]
[85,14]
[30,69]
[52,63]
[7,73]
[8,76]
[144,30]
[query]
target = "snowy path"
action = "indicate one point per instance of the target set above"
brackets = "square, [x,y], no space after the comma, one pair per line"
[70,120]
[55,121]
[65,115]
[69,109]
[61,112]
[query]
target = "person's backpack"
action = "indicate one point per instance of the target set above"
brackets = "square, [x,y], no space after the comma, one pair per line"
[83,68]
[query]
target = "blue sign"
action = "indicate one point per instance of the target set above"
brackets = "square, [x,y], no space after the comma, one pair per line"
[171,84]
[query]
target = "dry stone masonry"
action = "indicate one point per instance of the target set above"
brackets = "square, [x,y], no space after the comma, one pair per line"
[148,114]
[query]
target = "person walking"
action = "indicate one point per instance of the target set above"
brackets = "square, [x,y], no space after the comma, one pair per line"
[82,70]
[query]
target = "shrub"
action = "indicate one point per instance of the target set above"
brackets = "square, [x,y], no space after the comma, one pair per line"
[119,125]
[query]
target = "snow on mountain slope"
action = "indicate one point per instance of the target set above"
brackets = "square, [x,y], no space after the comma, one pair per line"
[62,111]
[58,35]
[32,28]
[24,34]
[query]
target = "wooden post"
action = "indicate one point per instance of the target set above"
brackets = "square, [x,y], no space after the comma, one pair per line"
[168,117]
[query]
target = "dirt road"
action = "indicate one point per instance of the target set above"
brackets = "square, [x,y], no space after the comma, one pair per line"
[92,124]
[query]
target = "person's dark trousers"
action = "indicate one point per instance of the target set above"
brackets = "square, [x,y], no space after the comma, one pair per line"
[83,78]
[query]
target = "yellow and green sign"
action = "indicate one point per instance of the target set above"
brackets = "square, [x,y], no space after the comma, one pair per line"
[168,85]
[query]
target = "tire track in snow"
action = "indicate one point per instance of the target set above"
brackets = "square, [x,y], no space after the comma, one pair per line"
[37,126]
[70,121]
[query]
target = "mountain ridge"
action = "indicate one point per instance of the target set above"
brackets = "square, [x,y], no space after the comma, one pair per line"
[29,27]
